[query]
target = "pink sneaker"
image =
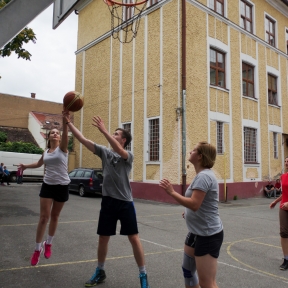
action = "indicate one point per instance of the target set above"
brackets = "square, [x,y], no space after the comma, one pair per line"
[47,250]
[36,257]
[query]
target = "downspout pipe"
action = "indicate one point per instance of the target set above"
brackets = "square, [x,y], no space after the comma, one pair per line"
[183,97]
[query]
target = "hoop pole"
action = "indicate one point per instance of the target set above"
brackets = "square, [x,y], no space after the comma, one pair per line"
[125,4]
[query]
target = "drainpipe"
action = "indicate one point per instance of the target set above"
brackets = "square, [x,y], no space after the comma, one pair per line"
[183,96]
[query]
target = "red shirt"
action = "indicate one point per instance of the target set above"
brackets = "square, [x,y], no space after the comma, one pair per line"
[284,182]
[277,185]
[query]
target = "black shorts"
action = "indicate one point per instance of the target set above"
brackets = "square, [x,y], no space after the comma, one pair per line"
[59,193]
[113,210]
[204,245]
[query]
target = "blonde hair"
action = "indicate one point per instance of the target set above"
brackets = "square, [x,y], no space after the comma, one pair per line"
[208,152]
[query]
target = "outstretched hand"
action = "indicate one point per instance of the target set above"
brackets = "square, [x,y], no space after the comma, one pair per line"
[99,123]
[167,186]
[66,115]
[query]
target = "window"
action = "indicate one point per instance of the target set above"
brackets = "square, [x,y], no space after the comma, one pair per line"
[128,12]
[270,31]
[153,144]
[246,16]
[217,6]
[248,80]
[72,174]
[220,147]
[127,126]
[250,145]
[152,2]
[79,173]
[272,90]
[275,145]
[287,40]
[217,68]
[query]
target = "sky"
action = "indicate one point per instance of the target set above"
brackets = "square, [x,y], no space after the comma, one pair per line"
[51,72]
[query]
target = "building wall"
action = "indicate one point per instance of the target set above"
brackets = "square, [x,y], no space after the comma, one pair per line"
[142,80]
[14,110]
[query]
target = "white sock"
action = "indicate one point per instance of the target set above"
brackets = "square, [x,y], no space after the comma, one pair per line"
[101,265]
[49,239]
[38,246]
[286,257]
[142,270]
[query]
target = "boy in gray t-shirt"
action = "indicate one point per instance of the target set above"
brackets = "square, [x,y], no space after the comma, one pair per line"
[117,202]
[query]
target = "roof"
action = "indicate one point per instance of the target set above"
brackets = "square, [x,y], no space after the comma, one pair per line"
[18,134]
[50,121]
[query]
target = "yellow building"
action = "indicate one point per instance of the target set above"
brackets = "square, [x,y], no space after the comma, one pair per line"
[228,87]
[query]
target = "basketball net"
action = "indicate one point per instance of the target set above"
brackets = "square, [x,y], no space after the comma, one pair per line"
[125,17]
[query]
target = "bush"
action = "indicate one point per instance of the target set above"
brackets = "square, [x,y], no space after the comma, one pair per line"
[20,147]
[3,137]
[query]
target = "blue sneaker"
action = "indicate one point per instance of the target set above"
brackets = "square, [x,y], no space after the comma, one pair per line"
[144,280]
[98,277]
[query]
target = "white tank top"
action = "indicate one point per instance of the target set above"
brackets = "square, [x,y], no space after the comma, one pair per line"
[56,168]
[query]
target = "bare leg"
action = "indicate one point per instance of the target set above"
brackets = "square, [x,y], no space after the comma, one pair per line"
[207,268]
[137,249]
[45,208]
[55,212]
[103,248]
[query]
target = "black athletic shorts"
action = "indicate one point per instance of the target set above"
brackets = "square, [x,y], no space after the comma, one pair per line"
[204,245]
[113,210]
[59,193]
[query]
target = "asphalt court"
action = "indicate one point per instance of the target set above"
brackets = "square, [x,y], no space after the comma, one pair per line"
[250,255]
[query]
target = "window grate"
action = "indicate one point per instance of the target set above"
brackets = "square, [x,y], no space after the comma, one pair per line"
[275,145]
[250,145]
[220,148]
[127,126]
[154,140]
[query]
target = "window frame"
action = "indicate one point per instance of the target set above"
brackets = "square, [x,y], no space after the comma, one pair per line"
[253,145]
[216,68]
[286,40]
[245,18]
[150,154]
[127,11]
[269,33]
[214,8]
[270,90]
[129,146]
[220,137]
[275,145]
[152,2]
[247,80]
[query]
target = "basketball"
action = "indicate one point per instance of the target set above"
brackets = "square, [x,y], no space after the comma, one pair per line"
[73,101]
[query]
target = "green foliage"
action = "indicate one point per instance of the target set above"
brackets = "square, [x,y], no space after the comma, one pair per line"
[20,147]
[15,45]
[3,137]
[235,197]
[70,144]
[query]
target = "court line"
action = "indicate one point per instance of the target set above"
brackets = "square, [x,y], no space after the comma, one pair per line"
[249,266]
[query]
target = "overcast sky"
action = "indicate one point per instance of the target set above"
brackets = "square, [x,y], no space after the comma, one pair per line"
[51,71]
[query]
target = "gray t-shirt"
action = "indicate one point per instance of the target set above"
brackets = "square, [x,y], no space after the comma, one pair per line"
[205,221]
[116,172]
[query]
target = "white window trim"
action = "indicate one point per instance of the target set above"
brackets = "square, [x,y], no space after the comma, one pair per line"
[276,29]
[253,62]
[146,146]
[276,73]
[253,16]
[216,44]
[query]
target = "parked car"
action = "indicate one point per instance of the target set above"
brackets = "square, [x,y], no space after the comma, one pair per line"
[86,180]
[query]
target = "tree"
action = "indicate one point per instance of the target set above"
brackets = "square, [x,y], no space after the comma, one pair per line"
[15,45]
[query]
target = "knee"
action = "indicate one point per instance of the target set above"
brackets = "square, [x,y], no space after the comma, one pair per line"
[189,271]
[44,219]
[54,217]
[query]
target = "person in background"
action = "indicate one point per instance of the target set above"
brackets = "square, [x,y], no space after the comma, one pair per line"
[278,187]
[19,175]
[6,175]
[2,173]
[283,215]
[269,190]
[205,229]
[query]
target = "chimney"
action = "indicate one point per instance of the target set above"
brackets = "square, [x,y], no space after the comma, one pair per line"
[33,95]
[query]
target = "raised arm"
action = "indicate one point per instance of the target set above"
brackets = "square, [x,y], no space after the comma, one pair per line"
[64,139]
[116,146]
[77,134]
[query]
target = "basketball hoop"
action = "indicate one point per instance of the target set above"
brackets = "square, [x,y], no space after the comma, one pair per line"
[125,17]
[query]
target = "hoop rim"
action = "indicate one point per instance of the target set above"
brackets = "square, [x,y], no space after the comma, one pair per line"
[107,2]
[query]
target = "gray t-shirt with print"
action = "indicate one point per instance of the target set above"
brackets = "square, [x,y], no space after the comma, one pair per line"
[205,221]
[116,172]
